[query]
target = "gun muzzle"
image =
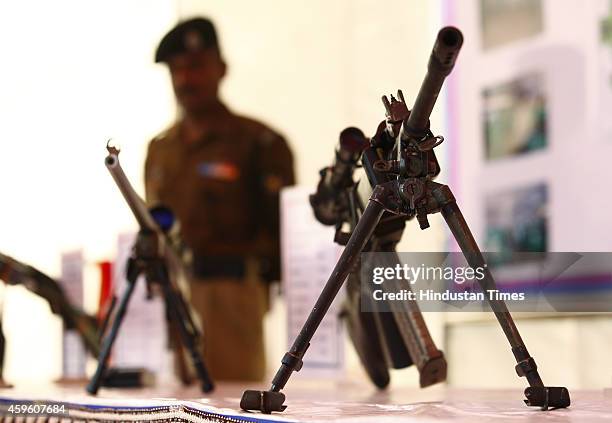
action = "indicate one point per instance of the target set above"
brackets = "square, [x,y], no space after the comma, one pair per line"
[441,63]
[136,204]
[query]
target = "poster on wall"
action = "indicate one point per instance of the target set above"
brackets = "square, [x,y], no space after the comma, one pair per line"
[605,54]
[515,117]
[517,221]
[74,356]
[505,21]
[541,78]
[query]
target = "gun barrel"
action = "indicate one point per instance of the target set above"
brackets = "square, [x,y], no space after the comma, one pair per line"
[441,63]
[351,145]
[140,210]
[136,204]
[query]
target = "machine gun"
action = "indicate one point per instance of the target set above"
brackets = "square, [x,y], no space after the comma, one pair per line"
[400,166]
[382,340]
[153,258]
[14,272]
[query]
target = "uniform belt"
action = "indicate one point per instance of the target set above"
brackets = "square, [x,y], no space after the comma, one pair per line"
[215,266]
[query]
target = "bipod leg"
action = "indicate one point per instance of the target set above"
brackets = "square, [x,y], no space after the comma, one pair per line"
[272,400]
[109,340]
[179,312]
[537,394]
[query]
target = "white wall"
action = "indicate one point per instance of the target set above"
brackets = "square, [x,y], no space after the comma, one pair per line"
[73,74]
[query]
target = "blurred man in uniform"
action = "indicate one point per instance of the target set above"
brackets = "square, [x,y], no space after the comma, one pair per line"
[221,175]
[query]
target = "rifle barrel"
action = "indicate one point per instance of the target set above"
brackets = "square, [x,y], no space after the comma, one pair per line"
[136,204]
[441,63]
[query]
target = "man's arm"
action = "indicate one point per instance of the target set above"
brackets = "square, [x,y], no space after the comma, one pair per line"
[275,164]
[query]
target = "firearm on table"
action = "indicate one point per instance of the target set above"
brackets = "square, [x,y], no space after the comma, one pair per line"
[14,272]
[400,167]
[153,257]
[401,338]
[158,221]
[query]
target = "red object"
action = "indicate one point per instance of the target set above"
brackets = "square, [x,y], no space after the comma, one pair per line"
[106,288]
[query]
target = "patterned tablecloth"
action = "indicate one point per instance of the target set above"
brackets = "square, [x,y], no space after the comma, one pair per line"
[308,402]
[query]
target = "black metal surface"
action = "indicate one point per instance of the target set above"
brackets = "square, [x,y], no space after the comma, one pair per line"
[179,313]
[364,333]
[547,397]
[400,165]
[264,401]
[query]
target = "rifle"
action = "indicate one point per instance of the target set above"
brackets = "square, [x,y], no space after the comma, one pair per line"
[153,257]
[14,272]
[400,167]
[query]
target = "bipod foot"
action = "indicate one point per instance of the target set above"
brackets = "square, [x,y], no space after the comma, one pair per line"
[547,397]
[264,401]
[433,371]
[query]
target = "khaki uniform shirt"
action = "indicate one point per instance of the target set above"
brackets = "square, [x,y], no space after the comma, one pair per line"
[224,190]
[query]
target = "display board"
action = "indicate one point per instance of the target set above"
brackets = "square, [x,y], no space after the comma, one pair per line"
[308,258]
[74,356]
[530,102]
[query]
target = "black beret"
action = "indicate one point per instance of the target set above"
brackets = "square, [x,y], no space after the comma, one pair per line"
[191,35]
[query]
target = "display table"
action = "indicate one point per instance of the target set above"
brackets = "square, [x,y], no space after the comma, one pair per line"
[307,402]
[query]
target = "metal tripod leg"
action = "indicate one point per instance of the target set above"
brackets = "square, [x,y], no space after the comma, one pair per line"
[109,340]
[180,314]
[539,395]
[272,400]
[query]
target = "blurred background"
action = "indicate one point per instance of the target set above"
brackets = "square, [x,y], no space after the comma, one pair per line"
[527,117]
